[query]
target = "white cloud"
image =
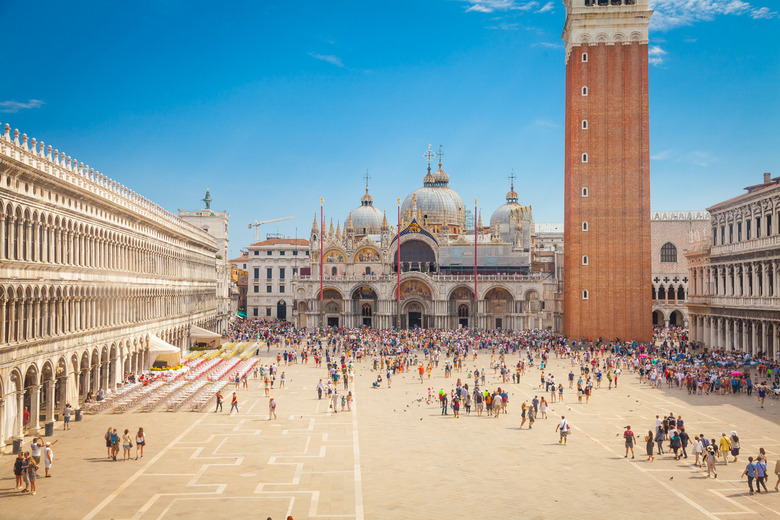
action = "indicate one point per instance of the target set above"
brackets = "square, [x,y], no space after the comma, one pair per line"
[547,8]
[505,26]
[695,157]
[662,156]
[12,107]
[548,45]
[655,55]
[670,14]
[489,6]
[698,158]
[546,124]
[330,58]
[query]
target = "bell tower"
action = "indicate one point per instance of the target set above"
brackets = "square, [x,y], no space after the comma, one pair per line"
[607,263]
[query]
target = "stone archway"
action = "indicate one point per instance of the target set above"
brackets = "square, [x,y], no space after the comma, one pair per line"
[498,308]
[414,314]
[460,305]
[364,305]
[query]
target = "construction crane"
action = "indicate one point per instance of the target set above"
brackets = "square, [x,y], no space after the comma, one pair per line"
[257,225]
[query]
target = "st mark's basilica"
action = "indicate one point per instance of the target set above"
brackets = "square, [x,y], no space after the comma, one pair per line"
[516,282]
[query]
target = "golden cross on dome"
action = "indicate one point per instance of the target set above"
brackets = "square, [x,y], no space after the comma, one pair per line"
[512,178]
[440,154]
[366,177]
[428,155]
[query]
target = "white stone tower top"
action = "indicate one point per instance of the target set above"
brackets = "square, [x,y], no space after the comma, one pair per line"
[605,21]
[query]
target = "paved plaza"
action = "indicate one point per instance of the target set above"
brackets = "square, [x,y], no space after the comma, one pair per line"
[395,456]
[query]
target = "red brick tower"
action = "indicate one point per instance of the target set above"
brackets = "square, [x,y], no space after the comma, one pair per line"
[607,272]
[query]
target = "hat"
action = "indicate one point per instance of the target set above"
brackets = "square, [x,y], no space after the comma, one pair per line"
[734,433]
[48,444]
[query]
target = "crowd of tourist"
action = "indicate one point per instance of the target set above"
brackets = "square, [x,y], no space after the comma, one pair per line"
[467,358]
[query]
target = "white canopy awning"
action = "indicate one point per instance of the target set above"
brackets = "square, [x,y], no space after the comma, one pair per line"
[197,332]
[159,346]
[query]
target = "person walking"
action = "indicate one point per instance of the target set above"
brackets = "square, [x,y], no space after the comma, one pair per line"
[35,448]
[710,457]
[18,465]
[334,399]
[127,445]
[233,404]
[649,445]
[750,471]
[219,402]
[140,442]
[630,439]
[48,458]
[761,475]
[563,429]
[320,388]
[271,409]
[114,443]
[734,445]
[660,437]
[725,447]
[349,401]
[698,450]
[531,417]
[66,417]
[107,437]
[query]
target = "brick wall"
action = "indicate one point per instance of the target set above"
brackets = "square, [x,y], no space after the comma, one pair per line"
[617,208]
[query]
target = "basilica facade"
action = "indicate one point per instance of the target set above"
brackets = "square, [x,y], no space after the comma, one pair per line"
[94,278]
[434,270]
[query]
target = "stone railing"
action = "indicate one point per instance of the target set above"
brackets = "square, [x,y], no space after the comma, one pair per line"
[749,245]
[56,164]
[536,277]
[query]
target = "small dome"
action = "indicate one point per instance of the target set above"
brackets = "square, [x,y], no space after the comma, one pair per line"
[441,177]
[429,180]
[367,220]
[500,219]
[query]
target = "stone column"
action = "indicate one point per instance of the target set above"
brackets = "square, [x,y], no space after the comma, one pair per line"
[19,413]
[3,245]
[12,325]
[754,337]
[3,306]
[773,342]
[51,399]
[765,282]
[35,408]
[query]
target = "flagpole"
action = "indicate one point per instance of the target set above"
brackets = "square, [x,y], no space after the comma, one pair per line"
[475,265]
[398,261]
[322,253]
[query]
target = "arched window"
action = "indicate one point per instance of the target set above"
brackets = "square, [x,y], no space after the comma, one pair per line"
[333,271]
[366,310]
[655,296]
[585,294]
[584,124]
[368,270]
[585,225]
[584,259]
[680,293]
[584,57]
[668,252]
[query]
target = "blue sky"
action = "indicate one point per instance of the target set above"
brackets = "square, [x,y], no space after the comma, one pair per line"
[275,104]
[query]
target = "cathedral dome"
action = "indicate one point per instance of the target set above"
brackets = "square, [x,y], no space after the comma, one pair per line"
[437,204]
[500,220]
[366,219]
